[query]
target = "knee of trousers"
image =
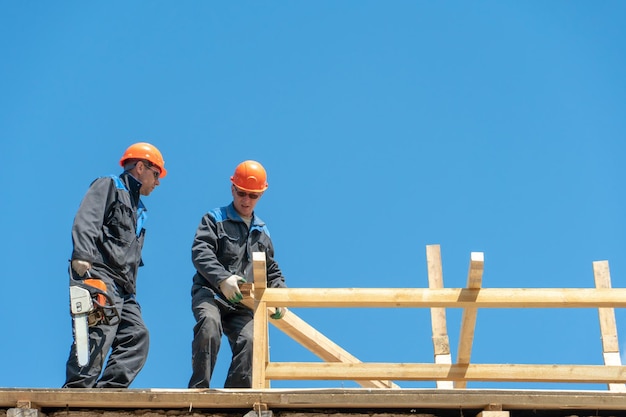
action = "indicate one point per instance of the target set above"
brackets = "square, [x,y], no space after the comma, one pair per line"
[243,346]
[207,331]
[141,339]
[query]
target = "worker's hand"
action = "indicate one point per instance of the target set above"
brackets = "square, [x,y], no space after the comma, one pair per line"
[81,267]
[279,314]
[230,288]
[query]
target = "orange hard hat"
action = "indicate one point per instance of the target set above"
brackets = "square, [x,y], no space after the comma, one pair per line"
[146,151]
[250,176]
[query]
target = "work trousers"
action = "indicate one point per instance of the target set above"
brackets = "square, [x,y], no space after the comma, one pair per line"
[215,317]
[128,342]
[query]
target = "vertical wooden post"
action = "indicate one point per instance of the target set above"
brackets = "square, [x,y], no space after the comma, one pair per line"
[441,343]
[260,357]
[608,327]
[468,319]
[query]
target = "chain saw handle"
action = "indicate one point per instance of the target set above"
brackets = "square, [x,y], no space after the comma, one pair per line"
[90,294]
[99,297]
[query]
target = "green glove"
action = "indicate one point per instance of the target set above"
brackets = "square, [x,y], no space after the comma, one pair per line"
[230,288]
[279,314]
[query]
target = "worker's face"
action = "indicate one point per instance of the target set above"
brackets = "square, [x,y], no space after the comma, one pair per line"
[148,175]
[244,201]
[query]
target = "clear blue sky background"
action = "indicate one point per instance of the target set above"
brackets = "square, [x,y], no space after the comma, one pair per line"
[483,126]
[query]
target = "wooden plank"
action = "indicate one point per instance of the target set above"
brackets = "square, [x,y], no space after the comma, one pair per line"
[608,327]
[441,343]
[260,357]
[488,413]
[433,372]
[437,314]
[468,319]
[444,360]
[367,400]
[259,270]
[446,297]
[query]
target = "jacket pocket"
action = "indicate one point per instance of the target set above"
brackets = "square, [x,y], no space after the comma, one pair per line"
[119,233]
[230,250]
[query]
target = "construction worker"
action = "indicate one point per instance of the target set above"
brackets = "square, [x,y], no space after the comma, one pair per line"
[222,255]
[108,235]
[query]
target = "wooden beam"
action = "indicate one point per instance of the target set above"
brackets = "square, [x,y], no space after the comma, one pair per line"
[446,297]
[487,413]
[608,327]
[259,270]
[432,372]
[441,343]
[260,357]
[468,319]
[211,401]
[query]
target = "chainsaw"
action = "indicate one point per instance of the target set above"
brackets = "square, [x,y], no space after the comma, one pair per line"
[90,305]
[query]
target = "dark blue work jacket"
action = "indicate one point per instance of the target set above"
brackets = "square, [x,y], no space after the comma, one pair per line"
[108,230]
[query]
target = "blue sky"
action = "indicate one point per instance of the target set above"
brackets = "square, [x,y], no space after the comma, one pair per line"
[485,126]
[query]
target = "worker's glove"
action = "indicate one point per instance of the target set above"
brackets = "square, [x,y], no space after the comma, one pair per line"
[230,288]
[81,267]
[279,314]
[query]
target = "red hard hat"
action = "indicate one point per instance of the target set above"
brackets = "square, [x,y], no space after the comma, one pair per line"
[250,176]
[146,151]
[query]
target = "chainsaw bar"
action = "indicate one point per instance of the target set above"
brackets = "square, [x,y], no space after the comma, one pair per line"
[80,306]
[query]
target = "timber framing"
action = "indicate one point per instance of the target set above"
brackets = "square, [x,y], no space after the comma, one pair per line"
[340,365]
[379,394]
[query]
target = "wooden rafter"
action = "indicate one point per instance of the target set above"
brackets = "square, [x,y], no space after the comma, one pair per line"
[441,342]
[468,319]
[608,327]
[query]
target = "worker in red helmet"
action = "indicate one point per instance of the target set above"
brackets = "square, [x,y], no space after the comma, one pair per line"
[107,235]
[222,255]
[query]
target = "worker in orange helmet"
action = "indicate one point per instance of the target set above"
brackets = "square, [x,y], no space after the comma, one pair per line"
[107,235]
[222,255]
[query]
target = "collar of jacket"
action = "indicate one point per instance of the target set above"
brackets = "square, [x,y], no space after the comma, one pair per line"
[233,215]
[133,185]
